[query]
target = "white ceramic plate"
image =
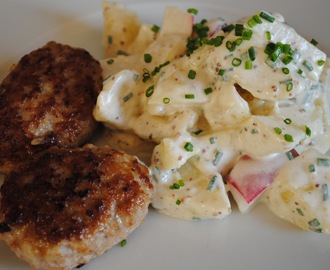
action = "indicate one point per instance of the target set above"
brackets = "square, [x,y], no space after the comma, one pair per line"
[257,240]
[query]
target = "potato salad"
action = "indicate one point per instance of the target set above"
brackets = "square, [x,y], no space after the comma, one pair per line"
[239,107]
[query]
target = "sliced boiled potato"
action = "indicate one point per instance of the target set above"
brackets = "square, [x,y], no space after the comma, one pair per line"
[300,192]
[190,193]
[121,27]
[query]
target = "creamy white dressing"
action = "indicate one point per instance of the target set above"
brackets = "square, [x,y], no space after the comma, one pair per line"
[202,124]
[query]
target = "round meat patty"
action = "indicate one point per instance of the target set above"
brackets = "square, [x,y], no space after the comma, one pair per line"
[64,207]
[47,99]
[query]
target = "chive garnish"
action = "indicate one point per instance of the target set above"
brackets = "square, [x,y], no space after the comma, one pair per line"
[212,183]
[311,168]
[266,16]
[278,130]
[110,61]
[300,212]
[189,147]
[268,35]
[147,58]
[193,11]
[308,131]
[287,121]
[320,62]
[325,192]
[236,62]
[323,162]
[247,34]
[248,64]
[285,70]
[252,53]
[221,72]
[123,243]
[231,46]
[308,65]
[178,202]
[217,158]
[189,96]
[289,86]
[314,42]
[288,137]
[208,90]
[239,28]
[150,91]
[155,28]
[166,100]
[191,74]
[128,97]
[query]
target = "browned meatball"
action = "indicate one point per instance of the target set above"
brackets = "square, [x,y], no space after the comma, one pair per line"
[47,99]
[64,207]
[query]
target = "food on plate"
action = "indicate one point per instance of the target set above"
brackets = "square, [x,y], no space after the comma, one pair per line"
[66,206]
[249,95]
[47,99]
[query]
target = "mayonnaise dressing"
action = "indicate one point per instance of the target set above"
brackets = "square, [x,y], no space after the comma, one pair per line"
[207,109]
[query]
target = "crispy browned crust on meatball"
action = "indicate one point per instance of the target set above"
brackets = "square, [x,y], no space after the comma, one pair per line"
[65,207]
[47,99]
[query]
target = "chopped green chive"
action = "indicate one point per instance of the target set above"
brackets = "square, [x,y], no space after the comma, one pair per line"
[110,61]
[238,41]
[128,97]
[193,11]
[239,28]
[300,72]
[266,16]
[288,137]
[166,100]
[189,147]
[247,34]
[155,28]
[236,62]
[278,130]
[211,184]
[147,58]
[197,132]
[150,91]
[287,59]
[287,121]
[189,96]
[175,186]
[123,243]
[252,22]
[311,168]
[178,202]
[314,223]
[192,74]
[325,192]
[289,86]
[208,90]
[300,212]
[308,65]
[231,46]
[222,72]
[217,158]
[268,35]
[314,42]
[323,162]
[212,140]
[320,62]
[121,52]
[285,70]
[308,131]
[248,64]
[228,28]
[252,53]
[181,182]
